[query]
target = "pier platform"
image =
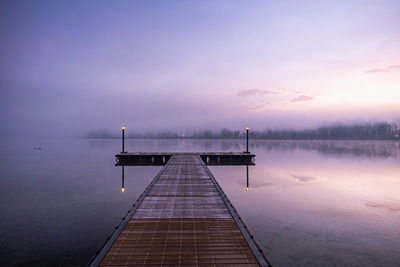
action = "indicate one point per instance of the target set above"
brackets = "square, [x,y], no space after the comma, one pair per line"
[209,158]
[183,218]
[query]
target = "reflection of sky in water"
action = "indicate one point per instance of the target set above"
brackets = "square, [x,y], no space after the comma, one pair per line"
[309,203]
[310,208]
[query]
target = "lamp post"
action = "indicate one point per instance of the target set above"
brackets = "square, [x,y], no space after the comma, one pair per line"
[123,139]
[247,139]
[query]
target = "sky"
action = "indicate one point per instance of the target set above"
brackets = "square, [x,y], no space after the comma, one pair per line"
[67,67]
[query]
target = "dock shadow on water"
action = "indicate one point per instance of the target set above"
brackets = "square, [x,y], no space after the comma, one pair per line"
[308,203]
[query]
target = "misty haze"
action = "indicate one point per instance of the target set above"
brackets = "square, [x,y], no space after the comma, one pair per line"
[199,133]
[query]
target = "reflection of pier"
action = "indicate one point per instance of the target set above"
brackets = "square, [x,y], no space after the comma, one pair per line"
[247,178]
[183,218]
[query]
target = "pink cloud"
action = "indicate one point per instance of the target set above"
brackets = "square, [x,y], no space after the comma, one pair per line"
[393,68]
[255,91]
[302,98]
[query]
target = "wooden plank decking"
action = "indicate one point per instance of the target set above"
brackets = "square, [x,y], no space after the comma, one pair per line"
[184,219]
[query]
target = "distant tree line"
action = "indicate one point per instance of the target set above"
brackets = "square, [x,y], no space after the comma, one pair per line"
[367,131]
[380,130]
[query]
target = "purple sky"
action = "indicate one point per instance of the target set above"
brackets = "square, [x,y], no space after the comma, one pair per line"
[70,66]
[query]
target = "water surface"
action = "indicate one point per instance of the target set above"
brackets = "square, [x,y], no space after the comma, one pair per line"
[310,203]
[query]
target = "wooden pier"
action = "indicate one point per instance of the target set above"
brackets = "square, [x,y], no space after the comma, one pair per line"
[183,218]
[209,158]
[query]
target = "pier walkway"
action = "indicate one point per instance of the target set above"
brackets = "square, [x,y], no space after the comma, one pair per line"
[182,219]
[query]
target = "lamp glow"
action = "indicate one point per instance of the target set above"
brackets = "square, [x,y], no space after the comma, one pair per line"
[123,127]
[123,189]
[247,128]
[247,188]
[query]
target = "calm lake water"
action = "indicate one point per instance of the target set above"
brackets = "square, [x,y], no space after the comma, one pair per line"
[311,203]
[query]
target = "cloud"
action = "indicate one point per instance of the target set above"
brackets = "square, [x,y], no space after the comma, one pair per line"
[393,68]
[302,98]
[255,91]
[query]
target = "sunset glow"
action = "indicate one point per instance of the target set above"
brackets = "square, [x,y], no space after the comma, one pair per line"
[266,63]
[211,132]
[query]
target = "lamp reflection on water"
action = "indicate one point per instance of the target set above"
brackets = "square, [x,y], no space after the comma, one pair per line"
[247,178]
[123,179]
